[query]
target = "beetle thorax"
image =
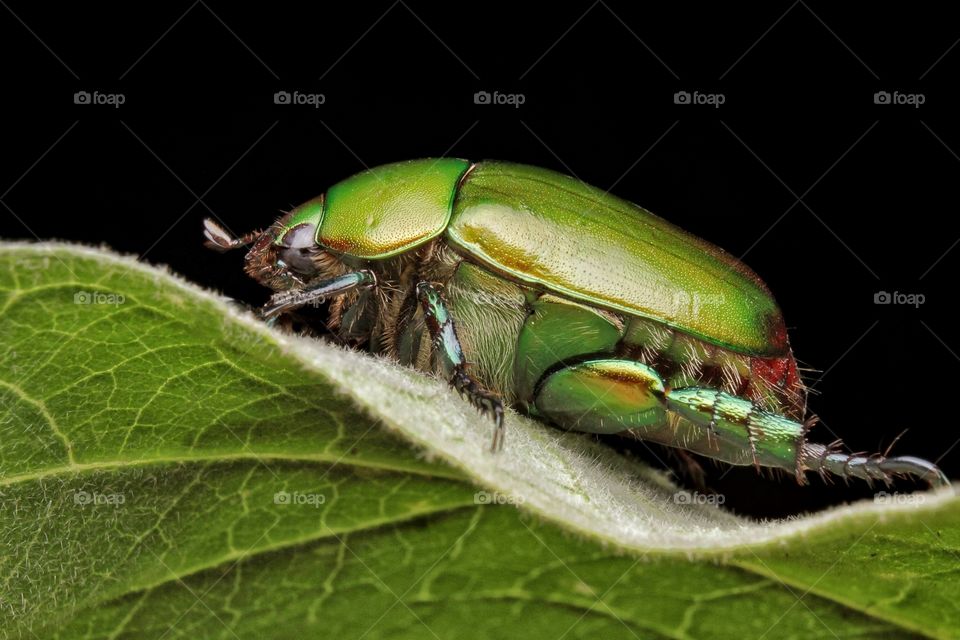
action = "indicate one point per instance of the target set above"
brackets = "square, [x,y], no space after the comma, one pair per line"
[377,316]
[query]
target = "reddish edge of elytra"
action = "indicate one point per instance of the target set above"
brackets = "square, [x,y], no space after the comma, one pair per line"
[780,373]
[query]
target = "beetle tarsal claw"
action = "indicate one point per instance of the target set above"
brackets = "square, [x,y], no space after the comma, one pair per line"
[485,402]
[499,432]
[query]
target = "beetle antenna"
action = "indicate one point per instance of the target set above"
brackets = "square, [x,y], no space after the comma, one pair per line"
[219,239]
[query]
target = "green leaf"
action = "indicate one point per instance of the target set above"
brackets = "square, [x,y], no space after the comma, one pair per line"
[170,467]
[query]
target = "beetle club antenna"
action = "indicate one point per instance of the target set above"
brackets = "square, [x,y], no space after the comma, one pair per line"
[219,239]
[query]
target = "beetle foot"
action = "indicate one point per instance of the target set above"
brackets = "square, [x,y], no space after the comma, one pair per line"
[817,457]
[317,293]
[285,300]
[485,402]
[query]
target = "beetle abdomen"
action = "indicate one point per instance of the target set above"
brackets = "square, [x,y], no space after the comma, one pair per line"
[773,383]
[514,336]
[490,313]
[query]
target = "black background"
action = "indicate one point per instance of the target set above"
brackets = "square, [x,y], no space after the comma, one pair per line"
[829,196]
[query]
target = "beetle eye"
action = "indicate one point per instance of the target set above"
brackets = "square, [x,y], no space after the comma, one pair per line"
[297,247]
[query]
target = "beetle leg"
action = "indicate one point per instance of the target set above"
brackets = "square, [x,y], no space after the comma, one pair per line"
[827,459]
[777,441]
[610,396]
[773,440]
[604,396]
[219,239]
[316,293]
[445,342]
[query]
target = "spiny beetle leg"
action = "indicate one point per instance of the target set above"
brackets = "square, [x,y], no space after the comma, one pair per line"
[219,239]
[447,345]
[827,459]
[777,441]
[485,402]
[318,292]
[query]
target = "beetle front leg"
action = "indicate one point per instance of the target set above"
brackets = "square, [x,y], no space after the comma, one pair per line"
[318,292]
[445,342]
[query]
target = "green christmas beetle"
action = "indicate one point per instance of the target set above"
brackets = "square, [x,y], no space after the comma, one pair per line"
[529,288]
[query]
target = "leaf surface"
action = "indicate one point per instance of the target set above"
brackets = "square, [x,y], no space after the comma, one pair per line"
[171,467]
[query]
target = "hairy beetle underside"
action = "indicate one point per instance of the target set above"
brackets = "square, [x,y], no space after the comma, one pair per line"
[491,312]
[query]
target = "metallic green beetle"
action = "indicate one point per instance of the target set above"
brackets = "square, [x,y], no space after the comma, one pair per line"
[527,287]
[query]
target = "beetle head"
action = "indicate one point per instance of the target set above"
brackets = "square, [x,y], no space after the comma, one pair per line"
[285,257]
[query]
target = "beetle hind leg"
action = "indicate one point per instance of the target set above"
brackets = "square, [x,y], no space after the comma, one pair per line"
[826,459]
[447,346]
[610,396]
[604,396]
